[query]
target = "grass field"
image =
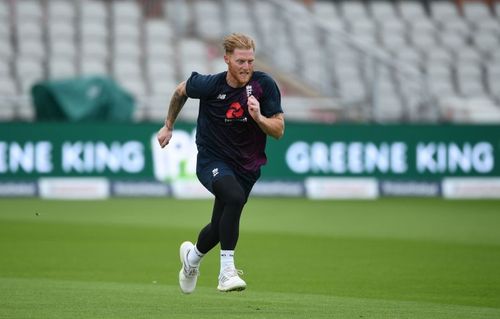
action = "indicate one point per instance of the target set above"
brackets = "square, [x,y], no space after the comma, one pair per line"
[390,258]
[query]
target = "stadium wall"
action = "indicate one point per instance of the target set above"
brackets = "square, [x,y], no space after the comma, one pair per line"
[98,160]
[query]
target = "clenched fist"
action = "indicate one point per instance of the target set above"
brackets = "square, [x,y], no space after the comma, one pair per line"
[254,108]
[164,135]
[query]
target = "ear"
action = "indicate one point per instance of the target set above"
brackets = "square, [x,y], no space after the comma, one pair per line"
[226,58]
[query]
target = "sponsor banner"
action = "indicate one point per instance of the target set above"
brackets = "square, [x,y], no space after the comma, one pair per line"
[341,188]
[412,152]
[456,188]
[190,189]
[18,189]
[139,189]
[176,161]
[422,154]
[268,188]
[409,188]
[124,151]
[74,188]
[75,150]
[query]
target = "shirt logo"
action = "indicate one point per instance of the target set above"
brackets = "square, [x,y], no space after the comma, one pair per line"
[221,97]
[215,172]
[235,113]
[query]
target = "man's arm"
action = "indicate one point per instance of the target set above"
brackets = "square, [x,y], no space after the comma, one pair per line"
[273,126]
[177,101]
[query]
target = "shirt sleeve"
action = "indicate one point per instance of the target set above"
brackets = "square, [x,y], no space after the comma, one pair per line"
[271,98]
[200,86]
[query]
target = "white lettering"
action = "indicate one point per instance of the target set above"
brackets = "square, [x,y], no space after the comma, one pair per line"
[319,157]
[337,153]
[88,157]
[399,162]
[98,157]
[482,157]
[71,160]
[3,157]
[29,157]
[355,162]
[132,157]
[43,157]
[107,158]
[21,158]
[297,157]
[425,158]
[442,158]
[342,158]
[458,158]
[376,158]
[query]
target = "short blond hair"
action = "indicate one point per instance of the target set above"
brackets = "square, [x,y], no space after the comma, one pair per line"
[238,41]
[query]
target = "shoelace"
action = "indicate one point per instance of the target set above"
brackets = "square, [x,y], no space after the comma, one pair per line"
[239,272]
[190,271]
[226,275]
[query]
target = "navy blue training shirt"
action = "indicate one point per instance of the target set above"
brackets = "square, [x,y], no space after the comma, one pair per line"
[225,129]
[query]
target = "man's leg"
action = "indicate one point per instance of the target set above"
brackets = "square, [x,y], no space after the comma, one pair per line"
[224,228]
[191,255]
[228,190]
[230,197]
[209,235]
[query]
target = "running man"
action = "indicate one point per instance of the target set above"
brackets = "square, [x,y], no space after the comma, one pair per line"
[238,109]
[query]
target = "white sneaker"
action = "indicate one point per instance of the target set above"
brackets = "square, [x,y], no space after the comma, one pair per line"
[229,280]
[188,274]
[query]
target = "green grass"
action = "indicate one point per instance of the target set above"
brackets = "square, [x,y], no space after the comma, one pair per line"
[389,258]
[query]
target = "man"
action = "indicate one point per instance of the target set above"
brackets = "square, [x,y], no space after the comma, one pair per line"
[238,109]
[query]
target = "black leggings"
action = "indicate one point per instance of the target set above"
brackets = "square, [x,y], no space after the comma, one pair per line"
[230,197]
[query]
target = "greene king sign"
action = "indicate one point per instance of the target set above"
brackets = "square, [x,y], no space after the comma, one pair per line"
[389,158]
[130,151]
[385,151]
[76,157]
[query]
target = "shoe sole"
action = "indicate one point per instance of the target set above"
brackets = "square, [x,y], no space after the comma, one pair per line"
[233,289]
[237,288]
[181,255]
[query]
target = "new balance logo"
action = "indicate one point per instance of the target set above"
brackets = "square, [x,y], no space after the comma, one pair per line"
[215,172]
[221,97]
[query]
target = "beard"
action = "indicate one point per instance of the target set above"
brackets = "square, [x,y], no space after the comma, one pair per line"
[241,76]
[244,77]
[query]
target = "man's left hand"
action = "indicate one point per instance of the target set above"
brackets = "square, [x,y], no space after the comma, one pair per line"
[254,108]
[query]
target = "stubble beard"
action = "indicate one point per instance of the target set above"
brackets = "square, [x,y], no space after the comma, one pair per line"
[244,76]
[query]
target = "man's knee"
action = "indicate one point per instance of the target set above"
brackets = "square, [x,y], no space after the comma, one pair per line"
[230,191]
[236,197]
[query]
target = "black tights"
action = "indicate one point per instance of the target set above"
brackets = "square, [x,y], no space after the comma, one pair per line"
[225,223]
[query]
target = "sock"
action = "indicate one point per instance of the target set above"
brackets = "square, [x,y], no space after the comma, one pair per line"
[194,256]
[226,259]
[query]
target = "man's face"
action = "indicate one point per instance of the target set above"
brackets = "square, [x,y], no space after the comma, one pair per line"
[239,66]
